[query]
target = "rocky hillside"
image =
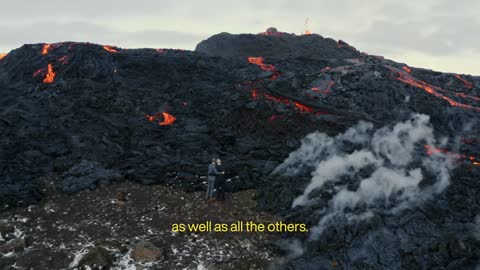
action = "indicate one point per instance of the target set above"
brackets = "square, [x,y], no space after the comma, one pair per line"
[88,115]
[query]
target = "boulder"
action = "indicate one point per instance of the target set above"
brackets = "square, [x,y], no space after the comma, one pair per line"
[147,252]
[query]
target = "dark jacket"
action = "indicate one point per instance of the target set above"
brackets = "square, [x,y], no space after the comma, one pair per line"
[220,179]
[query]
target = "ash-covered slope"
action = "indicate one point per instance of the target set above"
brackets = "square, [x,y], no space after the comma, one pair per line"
[88,115]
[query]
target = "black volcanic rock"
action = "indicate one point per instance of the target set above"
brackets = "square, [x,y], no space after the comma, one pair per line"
[96,110]
[275,46]
[87,175]
[88,115]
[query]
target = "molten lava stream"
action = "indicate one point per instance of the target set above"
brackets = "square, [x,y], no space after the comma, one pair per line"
[110,49]
[50,77]
[3,55]
[259,62]
[432,150]
[298,106]
[432,89]
[467,84]
[463,95]
[46,49]
[407,69]
[267,67]
[302,107]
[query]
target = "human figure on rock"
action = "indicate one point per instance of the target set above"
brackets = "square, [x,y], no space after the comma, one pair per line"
[220,181]
[212,175]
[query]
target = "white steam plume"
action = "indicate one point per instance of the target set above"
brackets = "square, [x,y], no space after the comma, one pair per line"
[369,171]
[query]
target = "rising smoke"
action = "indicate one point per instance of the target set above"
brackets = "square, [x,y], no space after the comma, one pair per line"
[368,171]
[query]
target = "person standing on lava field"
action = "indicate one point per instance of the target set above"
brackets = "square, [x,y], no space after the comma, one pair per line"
[220,181]
[212,175]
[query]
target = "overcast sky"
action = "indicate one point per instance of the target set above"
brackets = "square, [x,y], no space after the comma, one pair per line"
[442,35]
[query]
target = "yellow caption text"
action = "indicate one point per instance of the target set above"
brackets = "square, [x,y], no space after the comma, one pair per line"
[239,226]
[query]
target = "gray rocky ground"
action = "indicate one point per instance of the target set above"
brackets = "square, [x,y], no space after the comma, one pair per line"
[128,226]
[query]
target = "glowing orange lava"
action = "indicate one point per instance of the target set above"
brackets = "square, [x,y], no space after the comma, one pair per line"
[254,93]
[302,107]
[467,84]
[110,49]
[433,90]
[2,55]
[298,105]
[267,67]
[433,150]
[50,77]
[168,119]
[463,95]
[276,99]
[46,48]
[150,118]
[407,69]
[259,62]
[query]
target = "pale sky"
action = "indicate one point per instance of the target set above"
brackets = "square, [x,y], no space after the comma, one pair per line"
[443,35]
